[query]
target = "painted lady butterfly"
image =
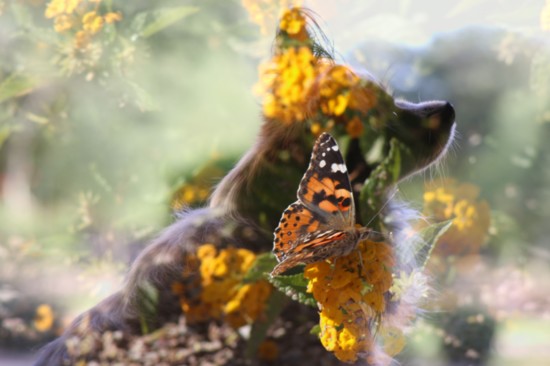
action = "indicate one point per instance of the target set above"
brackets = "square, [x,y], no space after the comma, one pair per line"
[321,223]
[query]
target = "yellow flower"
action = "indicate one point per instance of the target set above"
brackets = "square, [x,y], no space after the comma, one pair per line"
[247,304]
[351,293]
[265,12]
[58,7]
[112,17]
[218,293]
[287,83]
[545,16]
[293,23]
[340,89]
[471,217]
[92,22]
[206,251]
[62,23]
[44,318]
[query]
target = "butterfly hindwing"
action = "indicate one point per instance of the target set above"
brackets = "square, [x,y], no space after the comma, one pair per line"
[303,237]
[295,227]
[325,187]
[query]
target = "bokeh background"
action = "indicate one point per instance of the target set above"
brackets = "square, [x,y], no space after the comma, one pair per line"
[111,119]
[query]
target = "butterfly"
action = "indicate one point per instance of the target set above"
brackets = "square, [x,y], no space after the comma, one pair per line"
[321,223]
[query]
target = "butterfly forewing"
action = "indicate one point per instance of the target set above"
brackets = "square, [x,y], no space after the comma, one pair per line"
[325,187]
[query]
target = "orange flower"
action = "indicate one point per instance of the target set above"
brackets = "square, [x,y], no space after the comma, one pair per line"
[92,22]
[44,318]
[471,217]
[221,293]
[287,83]
[62,23]
[58,7]
[351,293]
[112,17]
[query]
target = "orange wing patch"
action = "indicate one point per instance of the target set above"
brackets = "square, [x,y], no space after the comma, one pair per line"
[296,223]
[325,186]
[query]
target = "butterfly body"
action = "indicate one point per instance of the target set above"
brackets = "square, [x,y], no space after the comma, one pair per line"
[321,223]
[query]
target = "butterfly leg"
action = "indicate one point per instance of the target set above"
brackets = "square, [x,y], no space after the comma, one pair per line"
[360,263]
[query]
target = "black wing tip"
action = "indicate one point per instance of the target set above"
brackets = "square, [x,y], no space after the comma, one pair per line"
[324,138]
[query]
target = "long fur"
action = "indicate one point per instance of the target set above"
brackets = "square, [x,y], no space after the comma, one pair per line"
[232,218]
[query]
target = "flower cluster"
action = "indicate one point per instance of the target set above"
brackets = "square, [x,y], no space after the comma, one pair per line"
[351,293]
[299,86]
[345,97]
[471,218]
[287,84]
[81,17]
[190,195]
[265,12]
[219,292]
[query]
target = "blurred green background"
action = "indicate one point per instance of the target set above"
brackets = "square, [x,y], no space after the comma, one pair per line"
[98,138]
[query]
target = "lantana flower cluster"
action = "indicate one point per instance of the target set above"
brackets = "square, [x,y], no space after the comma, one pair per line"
[471,217]
[299,86]
[213,287]
[81,17]
[352,293]
[265,12]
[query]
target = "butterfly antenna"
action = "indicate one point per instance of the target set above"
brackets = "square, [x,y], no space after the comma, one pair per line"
[382,208]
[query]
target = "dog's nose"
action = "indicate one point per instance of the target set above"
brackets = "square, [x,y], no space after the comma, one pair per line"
[446,114]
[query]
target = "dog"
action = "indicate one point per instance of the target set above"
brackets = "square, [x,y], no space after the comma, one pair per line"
[246,205]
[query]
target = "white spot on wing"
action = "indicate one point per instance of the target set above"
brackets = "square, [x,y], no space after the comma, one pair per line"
[338,168]
[335,148]
[322,163]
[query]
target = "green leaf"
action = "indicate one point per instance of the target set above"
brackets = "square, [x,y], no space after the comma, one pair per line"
[138,22]
[373,194]
[261,268]
[5,132]
[430,235]
[295,287]
[16,85]
[166,17]
[275,305]
[145,101]
[147,305]
[315,330]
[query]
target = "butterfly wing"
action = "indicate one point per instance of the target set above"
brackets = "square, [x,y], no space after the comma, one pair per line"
[302,237]
[325,187]
[314,227]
